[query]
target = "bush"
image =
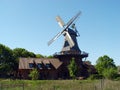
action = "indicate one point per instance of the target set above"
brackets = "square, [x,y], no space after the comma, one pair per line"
[106,67]
[34,74]
[95,76]
[110,73]
[117,78]
[72,67]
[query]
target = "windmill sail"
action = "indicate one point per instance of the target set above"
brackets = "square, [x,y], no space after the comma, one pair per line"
[72,19]
[69,39]
[54,38]
[60,21]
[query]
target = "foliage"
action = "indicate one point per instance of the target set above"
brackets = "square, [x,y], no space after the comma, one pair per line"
[118,67]
[39,56]
[72,67]
[95,76]
[50,56]
[117,77]
[7,60]
[110,73]
[34,74]
[21,52]
[106,67]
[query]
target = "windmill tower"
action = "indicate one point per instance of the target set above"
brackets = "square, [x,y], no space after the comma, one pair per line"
[70,48]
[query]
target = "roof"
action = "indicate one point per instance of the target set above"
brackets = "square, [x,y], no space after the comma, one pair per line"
[24,62]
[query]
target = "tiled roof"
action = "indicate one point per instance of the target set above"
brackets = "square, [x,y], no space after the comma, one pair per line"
[24,62]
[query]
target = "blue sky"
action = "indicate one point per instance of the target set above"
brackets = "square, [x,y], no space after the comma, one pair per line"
[30,24]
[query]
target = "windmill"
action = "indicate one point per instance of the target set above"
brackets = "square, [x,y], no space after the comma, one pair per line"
[70,44]
[70,48]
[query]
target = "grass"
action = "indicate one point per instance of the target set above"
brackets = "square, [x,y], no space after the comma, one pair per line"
[59,85]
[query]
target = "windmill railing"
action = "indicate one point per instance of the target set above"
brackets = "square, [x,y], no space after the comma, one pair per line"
[66,53]
[83,54]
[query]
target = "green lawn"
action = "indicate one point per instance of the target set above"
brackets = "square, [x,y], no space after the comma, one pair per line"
[59,85]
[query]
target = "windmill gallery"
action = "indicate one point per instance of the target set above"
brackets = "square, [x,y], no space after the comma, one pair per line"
[56,68]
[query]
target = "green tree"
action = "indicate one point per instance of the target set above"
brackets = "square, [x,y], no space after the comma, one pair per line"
[21,52]
[72,67]
[7,60]
[110,73]
[34,74]
[105,66]
[39,56]
[118,67]
[50,56]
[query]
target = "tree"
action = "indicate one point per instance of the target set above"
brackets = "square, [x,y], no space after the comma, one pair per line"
[110,73]
[34,74]
[50,56]
[7,60]
[118,67]
[39,56]
[72,67]
[21,52]
[106,67]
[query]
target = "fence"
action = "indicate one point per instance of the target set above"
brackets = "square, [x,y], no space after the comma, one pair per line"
[100,85]
[11,86]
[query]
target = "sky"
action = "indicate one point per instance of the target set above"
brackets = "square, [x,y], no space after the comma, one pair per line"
[30,24]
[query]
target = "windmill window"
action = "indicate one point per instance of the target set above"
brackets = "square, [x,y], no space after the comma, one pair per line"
[31,65]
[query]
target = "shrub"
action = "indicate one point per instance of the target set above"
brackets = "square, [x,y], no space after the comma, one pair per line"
[95,76]
[34,74]
[110,73]
[72,67]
